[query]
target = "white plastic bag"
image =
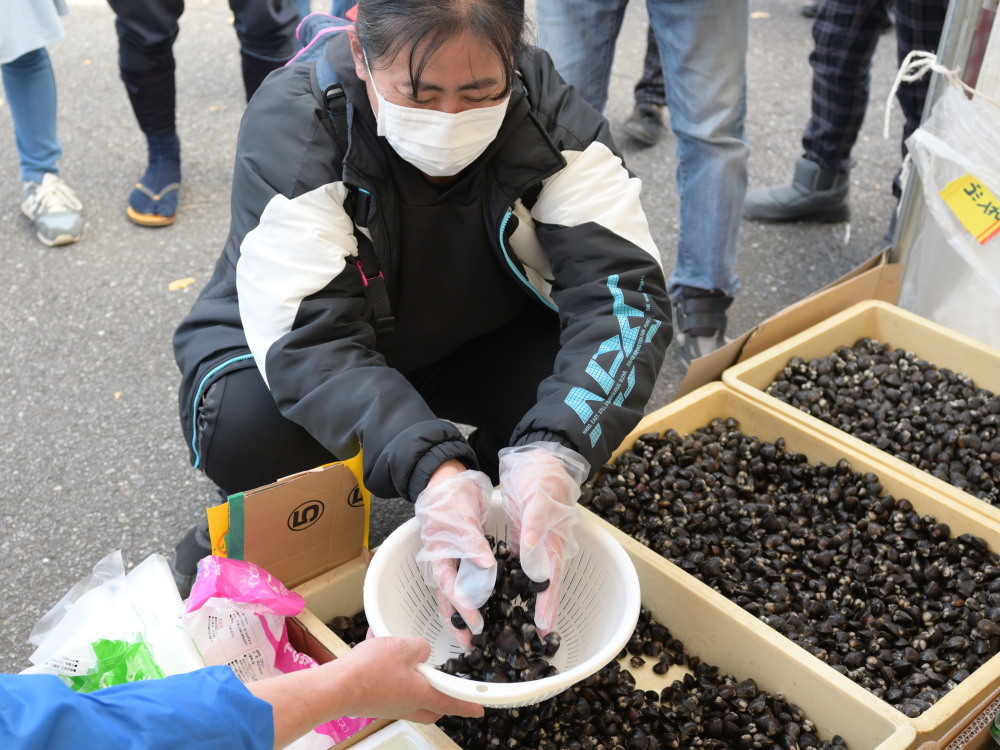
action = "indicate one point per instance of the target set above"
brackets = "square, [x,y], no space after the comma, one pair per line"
[143,606]
[950,277]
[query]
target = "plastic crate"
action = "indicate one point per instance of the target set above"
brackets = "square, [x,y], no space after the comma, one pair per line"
[699,408]
[889,325]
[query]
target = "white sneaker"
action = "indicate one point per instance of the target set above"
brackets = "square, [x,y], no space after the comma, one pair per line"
[55,209]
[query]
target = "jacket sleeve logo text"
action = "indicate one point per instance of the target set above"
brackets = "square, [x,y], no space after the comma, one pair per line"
[615,382]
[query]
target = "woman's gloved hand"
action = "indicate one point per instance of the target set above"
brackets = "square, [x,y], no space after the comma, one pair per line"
[540,484]
[456,559]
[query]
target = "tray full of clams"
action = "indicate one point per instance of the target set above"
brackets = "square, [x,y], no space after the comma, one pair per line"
[889,588]
[692,675]
[918,396]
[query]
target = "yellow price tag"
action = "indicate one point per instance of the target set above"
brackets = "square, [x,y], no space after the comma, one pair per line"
[975,206]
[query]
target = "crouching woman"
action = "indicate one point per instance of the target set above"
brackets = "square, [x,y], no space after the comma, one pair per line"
[428,224]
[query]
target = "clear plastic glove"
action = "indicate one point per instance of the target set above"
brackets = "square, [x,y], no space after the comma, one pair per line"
[540,484]
[456,559]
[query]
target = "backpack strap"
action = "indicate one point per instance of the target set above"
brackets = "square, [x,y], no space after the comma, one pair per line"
[334,100]
[374,284]
[358,201]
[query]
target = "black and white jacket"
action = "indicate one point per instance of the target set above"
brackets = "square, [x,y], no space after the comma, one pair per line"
[565,220]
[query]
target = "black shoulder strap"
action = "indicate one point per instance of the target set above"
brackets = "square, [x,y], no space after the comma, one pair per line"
[334,99]
[359,202]
[374,283]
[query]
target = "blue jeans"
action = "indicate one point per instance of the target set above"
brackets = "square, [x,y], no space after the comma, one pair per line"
[703,46]
[31,91]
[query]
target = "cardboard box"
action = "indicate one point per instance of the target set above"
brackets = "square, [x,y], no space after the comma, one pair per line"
[876,278]
[298,527]
[306,643]
[339,591]
[972,731]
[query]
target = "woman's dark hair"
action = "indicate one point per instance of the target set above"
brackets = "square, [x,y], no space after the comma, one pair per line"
[388,27]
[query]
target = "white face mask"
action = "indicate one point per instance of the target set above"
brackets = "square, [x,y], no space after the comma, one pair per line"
[439,144]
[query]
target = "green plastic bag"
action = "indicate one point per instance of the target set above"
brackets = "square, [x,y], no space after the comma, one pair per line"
[118,662]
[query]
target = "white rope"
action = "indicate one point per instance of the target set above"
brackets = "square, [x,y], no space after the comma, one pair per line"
[915,66]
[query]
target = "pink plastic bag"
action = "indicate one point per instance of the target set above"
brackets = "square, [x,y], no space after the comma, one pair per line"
[241,581]
[232,596]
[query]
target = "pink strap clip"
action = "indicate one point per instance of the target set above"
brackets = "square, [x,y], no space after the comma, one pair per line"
[364,278]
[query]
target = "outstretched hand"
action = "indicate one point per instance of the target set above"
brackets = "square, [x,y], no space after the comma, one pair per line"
[540,484]
[456,558]
[377,678]
[386,683]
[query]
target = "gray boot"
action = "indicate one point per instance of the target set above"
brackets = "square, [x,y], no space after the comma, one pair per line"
[816,194]
[645,124]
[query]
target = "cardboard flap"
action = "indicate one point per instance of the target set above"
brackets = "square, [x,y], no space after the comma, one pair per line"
[303,526]
[881,283]
[873,279]
[300,526]
[306,643]
[710,367]
[880,258]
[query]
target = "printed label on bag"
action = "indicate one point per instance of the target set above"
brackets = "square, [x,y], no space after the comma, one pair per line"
[250,666]
[69,666]
[238,638]
[975,206]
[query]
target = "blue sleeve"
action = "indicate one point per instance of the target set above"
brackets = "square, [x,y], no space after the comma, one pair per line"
[202,710]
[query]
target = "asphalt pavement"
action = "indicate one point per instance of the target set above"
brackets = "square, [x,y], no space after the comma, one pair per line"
[91,453]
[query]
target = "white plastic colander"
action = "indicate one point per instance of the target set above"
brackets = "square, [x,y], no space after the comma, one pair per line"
[598,610]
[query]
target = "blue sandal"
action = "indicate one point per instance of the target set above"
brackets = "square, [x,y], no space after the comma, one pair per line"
[164,210]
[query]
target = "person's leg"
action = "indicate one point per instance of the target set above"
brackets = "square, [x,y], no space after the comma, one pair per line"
[918,26]
[703,50]
[580,36]
[845,34]
[243,442]
[267,37]
[651,88]
[49,202]
[146,33]
[703,46]
[31,91]
[645,124]
[491,382]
